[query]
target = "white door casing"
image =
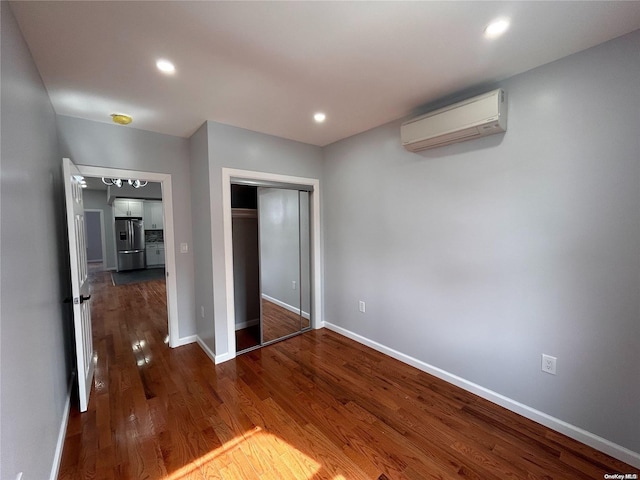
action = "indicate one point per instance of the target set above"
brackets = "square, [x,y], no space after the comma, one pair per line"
[315,239]
[79,280]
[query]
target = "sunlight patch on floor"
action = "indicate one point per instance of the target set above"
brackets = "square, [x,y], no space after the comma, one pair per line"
[258,451]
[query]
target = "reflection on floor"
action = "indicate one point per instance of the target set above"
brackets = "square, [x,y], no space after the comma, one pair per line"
[277,322]
[247,337]
[317,406]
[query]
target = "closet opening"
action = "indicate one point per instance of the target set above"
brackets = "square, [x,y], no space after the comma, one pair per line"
[271,261]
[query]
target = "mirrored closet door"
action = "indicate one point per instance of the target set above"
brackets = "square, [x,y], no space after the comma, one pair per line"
[271,254]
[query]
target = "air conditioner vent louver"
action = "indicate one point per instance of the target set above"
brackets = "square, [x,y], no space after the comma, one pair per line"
[472,118]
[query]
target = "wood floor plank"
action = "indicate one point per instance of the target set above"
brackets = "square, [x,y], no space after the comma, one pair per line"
[316,406]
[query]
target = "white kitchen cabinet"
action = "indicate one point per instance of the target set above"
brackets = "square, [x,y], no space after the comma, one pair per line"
[155,254]
[120,208]
[153,219]
[127,207]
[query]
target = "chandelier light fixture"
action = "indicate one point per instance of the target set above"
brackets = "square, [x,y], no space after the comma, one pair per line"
[118,182]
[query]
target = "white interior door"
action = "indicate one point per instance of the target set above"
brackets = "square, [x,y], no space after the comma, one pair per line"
[79,275]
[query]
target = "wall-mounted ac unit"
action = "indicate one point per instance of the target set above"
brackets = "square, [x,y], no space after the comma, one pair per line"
[472,118]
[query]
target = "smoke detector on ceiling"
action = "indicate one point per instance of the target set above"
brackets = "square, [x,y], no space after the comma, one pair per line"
[121,119]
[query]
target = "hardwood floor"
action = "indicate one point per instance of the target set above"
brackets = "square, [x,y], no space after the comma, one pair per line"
[277,322]
[316,406]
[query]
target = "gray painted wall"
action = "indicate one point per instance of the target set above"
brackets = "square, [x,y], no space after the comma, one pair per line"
[34,368]
[201,220]
[478,257]
[94,236]
[97,200]
[105,145]
[279,244]
[239,148]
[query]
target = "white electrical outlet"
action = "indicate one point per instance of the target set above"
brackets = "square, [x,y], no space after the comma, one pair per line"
[549,364]
[184,248]
[294,284]
[361,306]
[202,312]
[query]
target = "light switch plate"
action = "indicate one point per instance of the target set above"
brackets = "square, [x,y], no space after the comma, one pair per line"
[184,248]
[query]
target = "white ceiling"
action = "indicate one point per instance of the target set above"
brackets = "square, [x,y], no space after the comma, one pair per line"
[268,66]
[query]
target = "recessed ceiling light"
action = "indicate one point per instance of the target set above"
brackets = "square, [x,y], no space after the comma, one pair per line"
[319,117]
[165,66]
[496,28]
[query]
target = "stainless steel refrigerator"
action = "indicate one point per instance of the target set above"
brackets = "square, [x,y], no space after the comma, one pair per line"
[130,243]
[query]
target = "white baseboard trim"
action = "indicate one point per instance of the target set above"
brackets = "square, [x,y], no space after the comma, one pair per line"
[577,433]
[249,323]
[185,341]
[62,433]
[286,306]
[214,358]
[223,357]
[206,349]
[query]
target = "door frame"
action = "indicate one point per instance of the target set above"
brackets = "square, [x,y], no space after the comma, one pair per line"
[102,234]
[316,248]
[169,234]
